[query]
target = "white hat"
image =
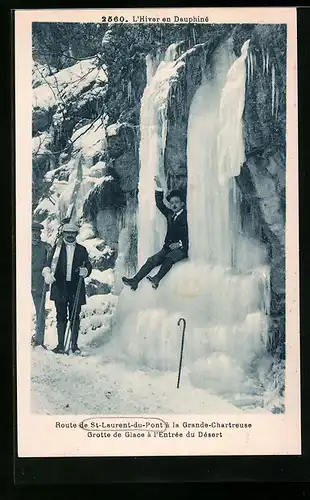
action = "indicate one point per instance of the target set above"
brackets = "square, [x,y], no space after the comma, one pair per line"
[70,227]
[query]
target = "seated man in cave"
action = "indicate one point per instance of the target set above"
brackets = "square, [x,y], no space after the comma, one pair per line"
[175,246]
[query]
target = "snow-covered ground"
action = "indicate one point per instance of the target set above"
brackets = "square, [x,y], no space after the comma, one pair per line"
[92,383]
[137,371]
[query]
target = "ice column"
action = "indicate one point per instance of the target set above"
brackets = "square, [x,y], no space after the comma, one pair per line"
[153,125]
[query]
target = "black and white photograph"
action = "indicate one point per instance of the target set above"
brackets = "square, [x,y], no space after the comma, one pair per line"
[158,218]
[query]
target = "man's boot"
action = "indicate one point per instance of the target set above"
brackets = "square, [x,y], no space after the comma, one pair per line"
[145,269]
[61,329]
[164,269]
[74,346]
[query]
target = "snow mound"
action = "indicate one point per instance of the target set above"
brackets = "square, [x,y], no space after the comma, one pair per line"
[106,276]
[219,343]
[97,318]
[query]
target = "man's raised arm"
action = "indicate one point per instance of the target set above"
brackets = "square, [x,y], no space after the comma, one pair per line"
[159,197]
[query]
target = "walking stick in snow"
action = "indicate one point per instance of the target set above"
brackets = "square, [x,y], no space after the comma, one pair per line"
[72,320]
[182,346]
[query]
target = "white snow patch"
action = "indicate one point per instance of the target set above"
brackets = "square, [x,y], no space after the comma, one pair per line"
[113,129]
[106,276]
[96,255]
[86,233]
[67,83]
[46,205]
[40,72]
[91,140]
[58,187]
[97,170]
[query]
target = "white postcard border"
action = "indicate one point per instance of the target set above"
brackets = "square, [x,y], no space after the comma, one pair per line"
[37,435]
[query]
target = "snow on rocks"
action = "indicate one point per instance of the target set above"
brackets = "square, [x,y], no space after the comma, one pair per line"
[91,140]
[40,72]
[98,170]
[67,83]
[106,276]
[99,253]
[60,173]
[58,187]
[97,315]
[44,208]
[86,232]
[99,282]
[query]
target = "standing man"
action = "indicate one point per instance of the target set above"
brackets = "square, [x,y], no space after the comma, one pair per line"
[175,247]
[73,263]
[38,290]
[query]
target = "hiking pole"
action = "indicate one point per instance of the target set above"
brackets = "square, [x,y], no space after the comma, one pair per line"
[182,346]
[68,332]
[73,318]
[71,323]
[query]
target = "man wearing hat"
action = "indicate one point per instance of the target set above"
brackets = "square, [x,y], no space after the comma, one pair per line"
[175,246]
[38,291]
[73,263]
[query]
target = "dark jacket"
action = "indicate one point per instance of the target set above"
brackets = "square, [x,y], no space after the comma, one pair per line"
[176,230]
[80,259]
[38,262]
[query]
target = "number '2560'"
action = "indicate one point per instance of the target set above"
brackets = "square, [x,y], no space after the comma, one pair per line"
[111,19]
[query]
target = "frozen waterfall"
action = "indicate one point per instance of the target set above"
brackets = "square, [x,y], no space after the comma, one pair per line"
[223,289]
[153,124]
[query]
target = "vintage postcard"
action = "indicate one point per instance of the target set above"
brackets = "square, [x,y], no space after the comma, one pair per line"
[157,232]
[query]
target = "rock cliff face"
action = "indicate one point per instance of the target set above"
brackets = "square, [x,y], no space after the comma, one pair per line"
[113,93]
[263,177]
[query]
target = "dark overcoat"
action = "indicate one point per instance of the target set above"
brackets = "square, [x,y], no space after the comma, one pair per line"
[38,262]
[80,259]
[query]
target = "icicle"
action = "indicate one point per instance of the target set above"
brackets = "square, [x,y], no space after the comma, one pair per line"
[267,62]
[247,70]
[163,129]
[263,59]
[254,62]
[171,52]
[230,146]
[272,89]
[251,65]
[129,91]
[194,36]
[149,68]
[277,103]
